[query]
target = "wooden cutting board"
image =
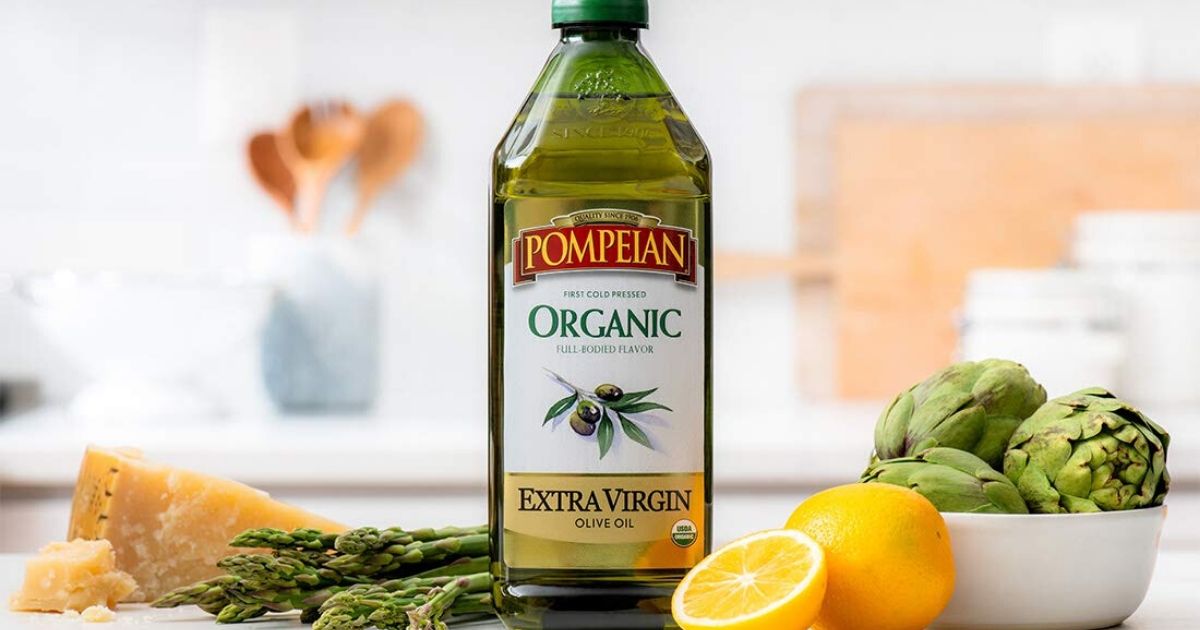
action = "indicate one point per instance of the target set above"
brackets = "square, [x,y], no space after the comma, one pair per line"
[905,189]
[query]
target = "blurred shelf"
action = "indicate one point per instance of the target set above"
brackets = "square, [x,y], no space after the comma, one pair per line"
[41,449]
[803,446]
[801,267]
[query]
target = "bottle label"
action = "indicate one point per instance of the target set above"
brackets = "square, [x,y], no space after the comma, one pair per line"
[603,384]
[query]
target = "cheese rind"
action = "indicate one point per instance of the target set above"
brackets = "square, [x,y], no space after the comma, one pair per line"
[76,575]
[169,526]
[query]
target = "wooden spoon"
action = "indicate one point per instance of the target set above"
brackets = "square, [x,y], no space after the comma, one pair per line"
[272,173]
[393,137]
[315,145]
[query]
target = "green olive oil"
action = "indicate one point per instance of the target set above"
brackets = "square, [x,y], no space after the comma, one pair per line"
[601,326]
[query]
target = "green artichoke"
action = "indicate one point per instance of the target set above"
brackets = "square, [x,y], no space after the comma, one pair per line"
[953,480]
[972,406]
[1088,452]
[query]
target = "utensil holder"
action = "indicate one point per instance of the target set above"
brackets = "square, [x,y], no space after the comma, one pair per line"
[320,344]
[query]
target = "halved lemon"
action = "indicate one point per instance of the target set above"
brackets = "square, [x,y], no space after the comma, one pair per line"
[772,580]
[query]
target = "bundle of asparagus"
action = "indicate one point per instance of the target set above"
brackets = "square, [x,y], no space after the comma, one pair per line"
[392,579]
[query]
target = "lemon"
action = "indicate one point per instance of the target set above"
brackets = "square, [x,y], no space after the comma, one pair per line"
[772,580]
[889,557]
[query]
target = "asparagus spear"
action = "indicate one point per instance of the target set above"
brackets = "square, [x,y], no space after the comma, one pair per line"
[359,601]
[395,558]
[197,594]
[470,605]
[213,595]
[369,539]
[431,533]
[237,612]
[387,604]
[271,538]
[428,616]
[275,572]
[214,607]
[459,566]
[315,559]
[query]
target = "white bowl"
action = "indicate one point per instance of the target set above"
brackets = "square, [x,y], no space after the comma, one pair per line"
[140,336]
[1050,572]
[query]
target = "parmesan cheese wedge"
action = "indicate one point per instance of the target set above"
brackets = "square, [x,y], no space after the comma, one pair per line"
[72,576]
[169,526]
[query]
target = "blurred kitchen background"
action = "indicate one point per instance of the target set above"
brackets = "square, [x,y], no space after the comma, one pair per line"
[898,184]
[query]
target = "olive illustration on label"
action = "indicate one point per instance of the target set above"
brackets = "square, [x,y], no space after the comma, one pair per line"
[588,411]
[609,392]
[605,412]
[581,426]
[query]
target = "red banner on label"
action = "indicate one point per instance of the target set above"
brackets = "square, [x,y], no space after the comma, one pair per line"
[553,249]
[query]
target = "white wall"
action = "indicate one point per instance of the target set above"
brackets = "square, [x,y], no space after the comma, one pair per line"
[121,125]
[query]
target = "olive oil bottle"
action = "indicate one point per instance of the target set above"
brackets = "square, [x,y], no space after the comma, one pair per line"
[601,322]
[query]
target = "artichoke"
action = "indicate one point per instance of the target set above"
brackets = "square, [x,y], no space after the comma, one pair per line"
[972,406]
[1089,452]
[952,480]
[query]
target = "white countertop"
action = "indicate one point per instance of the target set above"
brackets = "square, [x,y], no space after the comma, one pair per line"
[1170,605]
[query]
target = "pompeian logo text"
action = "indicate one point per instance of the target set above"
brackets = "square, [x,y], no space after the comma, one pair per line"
[604,239]
[605,500]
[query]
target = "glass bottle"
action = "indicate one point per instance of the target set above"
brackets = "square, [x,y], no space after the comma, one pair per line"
[600,321]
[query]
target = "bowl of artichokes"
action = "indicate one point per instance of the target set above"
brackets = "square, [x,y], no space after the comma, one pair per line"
[1054,506]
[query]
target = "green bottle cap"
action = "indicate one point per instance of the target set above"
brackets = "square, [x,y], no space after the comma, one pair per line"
[631,12]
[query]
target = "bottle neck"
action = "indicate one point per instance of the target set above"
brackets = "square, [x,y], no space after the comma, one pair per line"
[581,33]
[600,60]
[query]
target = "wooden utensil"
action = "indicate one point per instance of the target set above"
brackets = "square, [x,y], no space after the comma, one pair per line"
[316,144]
[393,137]
[272,173]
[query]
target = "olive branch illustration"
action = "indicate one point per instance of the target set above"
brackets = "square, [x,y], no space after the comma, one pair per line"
[594,410]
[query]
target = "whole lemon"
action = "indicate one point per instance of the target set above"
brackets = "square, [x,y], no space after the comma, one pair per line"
[888,553]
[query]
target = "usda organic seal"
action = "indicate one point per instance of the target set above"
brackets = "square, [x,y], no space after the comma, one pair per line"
[683,533]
